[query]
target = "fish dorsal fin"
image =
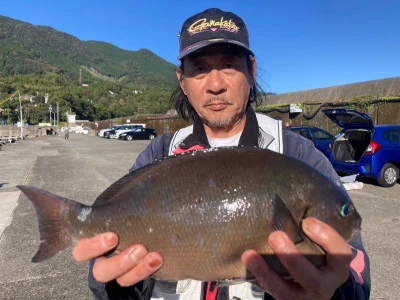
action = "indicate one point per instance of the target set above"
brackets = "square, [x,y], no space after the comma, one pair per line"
[134,177]
[116,188]
[283,220]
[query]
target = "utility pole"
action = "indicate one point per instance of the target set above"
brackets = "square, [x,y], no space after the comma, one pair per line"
[20,116]
[80,76]
[58,120]
[50,113]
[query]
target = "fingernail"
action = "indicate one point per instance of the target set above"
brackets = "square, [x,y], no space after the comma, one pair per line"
[278,240]
[252,259]
[155,263]
[311,226]
[109,240]
[136,254]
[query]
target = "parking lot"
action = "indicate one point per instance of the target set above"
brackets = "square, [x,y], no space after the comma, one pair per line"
[83,167]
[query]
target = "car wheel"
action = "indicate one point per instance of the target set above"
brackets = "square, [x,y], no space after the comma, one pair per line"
[389,175]
[129,137]
[151,136]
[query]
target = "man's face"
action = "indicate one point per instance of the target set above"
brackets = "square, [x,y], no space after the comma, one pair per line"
[217,81]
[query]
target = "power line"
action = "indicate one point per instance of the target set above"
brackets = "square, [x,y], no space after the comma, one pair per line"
[9,97]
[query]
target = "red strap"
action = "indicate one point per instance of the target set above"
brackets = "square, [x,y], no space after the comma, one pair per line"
[212,295]
[180,150]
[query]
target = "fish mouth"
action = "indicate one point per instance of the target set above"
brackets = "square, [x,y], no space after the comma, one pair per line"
[356,228]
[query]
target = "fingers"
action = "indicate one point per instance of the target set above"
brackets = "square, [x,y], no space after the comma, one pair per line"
[149,265]
[339,255]
[301,269]
[309,281]
[266,278]
[128,267]
[98,245]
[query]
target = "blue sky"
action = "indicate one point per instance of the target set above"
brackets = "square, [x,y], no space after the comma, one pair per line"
[299,45]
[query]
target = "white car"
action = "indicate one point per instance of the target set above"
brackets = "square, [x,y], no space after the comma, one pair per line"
[101,132]
[83,130]
[128,128]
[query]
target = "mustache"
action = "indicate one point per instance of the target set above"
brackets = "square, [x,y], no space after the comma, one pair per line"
[217,100]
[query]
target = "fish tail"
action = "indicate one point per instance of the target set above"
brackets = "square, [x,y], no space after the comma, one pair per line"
[54,222]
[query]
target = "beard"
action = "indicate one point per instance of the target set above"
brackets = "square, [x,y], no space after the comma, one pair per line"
[222,121]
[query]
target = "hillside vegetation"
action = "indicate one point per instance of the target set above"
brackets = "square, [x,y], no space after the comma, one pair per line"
[95,80]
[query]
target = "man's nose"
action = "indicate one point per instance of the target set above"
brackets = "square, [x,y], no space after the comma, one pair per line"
[216,83]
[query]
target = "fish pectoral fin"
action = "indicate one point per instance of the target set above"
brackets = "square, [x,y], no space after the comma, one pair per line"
[283,220]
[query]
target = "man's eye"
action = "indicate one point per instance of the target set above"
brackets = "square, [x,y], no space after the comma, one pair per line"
[228,66]
[198,69]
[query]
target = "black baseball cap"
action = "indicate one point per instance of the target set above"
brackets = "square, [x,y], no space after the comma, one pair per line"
[212,26]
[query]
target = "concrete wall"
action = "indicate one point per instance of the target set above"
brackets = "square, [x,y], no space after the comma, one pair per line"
[29,131]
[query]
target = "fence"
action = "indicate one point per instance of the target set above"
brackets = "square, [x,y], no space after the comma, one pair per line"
[381,112]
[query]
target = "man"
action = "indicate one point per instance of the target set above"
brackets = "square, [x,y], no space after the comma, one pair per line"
[66,134]
[217,85]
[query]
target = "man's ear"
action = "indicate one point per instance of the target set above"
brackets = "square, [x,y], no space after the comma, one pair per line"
[179,76]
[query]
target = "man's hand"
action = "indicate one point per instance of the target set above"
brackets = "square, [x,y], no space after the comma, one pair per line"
[309,282]
[132,265]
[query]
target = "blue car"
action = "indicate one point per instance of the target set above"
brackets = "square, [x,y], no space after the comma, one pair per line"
[364,148]
[320,137]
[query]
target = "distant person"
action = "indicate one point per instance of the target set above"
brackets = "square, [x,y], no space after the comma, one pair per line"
[66,134]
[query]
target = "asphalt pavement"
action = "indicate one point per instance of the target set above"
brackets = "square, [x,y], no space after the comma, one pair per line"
[83,167]
[78,169]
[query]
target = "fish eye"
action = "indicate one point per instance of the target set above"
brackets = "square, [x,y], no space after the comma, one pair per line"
[345,210]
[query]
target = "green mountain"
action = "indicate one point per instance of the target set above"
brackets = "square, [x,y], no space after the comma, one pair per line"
[96,80]
[36,50]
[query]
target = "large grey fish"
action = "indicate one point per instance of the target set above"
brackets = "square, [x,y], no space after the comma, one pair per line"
[202,210]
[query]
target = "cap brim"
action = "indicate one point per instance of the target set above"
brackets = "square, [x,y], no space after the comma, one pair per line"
[196,46]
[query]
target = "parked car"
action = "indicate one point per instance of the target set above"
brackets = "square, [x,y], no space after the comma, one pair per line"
[110,133]
[139,133]
[84,130]
[101,132]
[127,128]
[364,148]
[320,137]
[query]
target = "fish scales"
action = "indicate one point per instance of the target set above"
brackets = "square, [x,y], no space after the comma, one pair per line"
[202,210]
